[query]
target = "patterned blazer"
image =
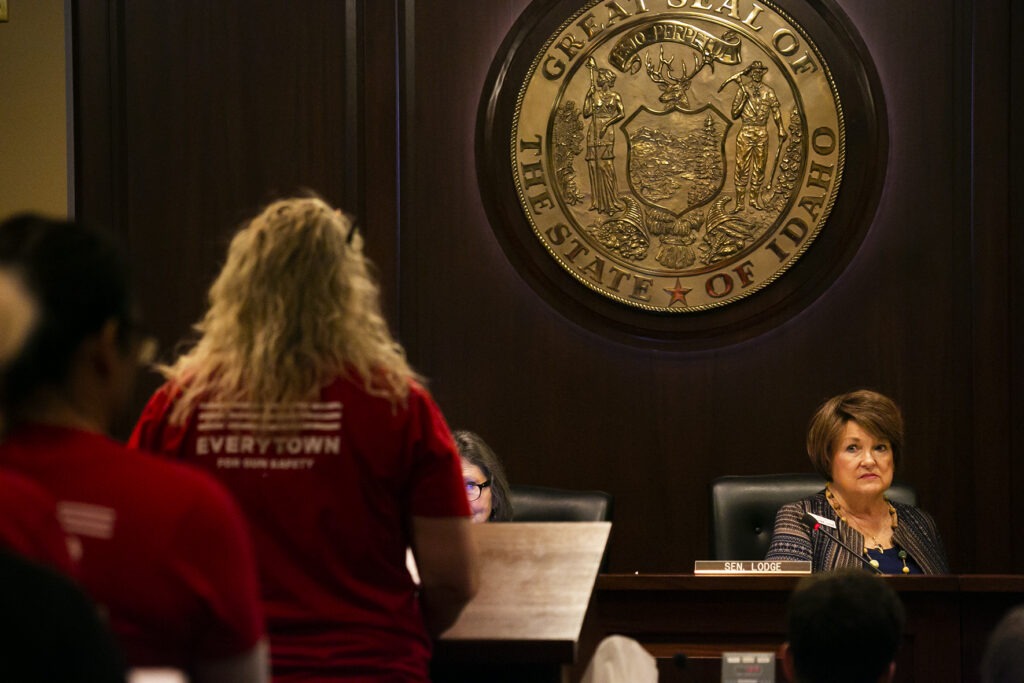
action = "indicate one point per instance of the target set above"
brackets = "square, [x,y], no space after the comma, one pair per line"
[792,539]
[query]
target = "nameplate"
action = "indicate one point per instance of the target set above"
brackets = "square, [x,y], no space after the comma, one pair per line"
[748,667]
[747,567]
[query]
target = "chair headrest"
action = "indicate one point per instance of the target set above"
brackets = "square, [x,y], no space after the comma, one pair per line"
[546,504]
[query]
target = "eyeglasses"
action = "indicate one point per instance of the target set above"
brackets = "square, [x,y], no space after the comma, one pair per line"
[474,490]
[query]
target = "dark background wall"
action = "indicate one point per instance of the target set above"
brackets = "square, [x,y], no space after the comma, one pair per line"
[190,115]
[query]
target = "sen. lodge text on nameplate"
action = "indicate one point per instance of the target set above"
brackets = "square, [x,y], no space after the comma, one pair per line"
[748,567]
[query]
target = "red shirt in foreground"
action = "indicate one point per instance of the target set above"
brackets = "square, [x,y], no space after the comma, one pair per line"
[329,503]
[163,548]
[28,523]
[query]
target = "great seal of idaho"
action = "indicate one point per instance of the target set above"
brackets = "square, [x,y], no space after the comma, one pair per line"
[677,155]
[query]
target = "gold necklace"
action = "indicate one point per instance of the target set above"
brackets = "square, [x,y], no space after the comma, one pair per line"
[839,510]
[893,520]
[902,554]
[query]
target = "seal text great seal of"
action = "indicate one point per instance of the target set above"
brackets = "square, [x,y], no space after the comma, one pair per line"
[677,155]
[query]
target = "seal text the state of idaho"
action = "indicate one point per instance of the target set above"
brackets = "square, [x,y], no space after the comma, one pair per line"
[677,156]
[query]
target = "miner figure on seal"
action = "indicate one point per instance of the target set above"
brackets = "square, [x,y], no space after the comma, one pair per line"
[753,103]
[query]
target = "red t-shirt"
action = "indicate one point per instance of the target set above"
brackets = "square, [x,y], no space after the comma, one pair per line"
[28,523]
[329,504]
[163,548]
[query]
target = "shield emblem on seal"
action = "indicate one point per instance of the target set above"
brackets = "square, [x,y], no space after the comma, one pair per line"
[676,157]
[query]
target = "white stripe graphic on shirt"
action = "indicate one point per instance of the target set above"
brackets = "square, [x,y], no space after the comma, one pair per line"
[210,426]
[249,417]
[86,519]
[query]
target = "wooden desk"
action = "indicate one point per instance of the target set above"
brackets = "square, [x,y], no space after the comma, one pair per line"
[526,621]
[948,619]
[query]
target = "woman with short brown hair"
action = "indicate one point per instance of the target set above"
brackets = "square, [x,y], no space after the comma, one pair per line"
[855,442]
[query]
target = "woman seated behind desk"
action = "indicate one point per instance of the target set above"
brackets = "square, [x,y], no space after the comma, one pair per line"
[855,441]
[484,477]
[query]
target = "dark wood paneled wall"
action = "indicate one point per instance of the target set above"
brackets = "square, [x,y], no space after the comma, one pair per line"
[191,114]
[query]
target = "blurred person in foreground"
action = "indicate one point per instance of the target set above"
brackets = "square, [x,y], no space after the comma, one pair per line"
[484,478]
[842,627]
[855,441]
[297,397]
[1003,661]
[28,514]
[160,547]
[42,612]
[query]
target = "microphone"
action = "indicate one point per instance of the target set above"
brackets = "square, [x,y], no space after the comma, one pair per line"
[682,665]
[815,525]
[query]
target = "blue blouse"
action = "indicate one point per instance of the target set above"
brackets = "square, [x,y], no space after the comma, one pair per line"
[890,562]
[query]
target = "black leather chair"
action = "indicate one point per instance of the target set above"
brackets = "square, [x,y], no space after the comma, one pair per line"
[743,510]
[545,504]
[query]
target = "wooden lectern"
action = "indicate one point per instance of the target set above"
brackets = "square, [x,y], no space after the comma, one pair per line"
[526,621]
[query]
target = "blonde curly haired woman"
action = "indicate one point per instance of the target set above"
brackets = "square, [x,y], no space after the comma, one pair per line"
[298,398]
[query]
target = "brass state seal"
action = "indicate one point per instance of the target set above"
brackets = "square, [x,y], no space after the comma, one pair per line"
[677,155]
